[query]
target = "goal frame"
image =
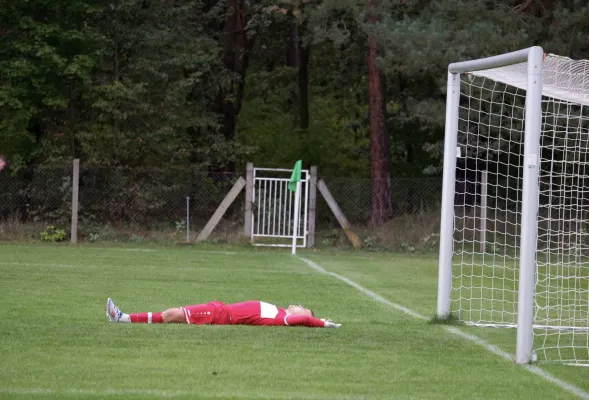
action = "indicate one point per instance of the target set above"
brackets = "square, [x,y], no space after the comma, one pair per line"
[534,56]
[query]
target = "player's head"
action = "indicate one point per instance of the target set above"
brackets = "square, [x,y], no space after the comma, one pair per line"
[299,310]
[2,162]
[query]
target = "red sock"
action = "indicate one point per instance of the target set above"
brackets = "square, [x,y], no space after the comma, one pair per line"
[147,318]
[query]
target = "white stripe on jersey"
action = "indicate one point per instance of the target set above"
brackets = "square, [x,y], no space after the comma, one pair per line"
[268,310]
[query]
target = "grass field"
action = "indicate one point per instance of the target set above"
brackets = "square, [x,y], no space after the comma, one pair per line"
[56,341]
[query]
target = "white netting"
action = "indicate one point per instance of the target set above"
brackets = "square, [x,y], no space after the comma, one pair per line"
[562,290]
[490,127]
[486,249]
[563,79]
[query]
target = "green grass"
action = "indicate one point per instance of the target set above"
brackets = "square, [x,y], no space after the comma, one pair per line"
[56,341]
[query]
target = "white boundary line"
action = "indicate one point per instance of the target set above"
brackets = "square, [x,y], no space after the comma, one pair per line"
[21,391]
[475,339]
[147,250]
[127,249]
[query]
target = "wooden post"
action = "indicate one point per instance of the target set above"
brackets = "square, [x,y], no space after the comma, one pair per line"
[206,231]
[249,190]
[312,206]
[341,218]
[75,190]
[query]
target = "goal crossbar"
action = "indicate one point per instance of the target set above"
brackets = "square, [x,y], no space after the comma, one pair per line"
[499,61]
[565,81]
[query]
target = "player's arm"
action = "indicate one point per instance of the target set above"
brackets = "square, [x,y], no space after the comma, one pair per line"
[311,322]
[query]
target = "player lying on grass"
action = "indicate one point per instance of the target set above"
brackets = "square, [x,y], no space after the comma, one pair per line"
[217,313]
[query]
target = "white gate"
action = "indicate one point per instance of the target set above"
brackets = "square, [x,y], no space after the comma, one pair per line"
[273,208]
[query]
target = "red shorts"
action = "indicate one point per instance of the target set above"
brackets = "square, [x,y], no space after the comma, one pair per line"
[213,313]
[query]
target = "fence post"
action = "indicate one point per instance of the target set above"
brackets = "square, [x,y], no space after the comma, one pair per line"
[249,185]
[187,219]
[75,190]
[312,206]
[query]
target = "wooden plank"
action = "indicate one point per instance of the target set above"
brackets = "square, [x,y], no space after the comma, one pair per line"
[312,207]
[204,234]
[75,205]
[249,190]
[341,218]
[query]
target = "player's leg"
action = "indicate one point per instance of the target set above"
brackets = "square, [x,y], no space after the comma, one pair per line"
[199,314]
[174,315]
[114,314]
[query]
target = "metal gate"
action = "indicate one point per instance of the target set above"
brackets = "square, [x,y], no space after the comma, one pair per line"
[273,208]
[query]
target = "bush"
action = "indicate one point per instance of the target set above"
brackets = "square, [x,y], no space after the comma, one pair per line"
[52,234]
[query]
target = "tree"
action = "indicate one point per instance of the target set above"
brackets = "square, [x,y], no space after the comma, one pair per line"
[419,39]
[229,23]
[46,60]
[297,57]
[210,82]
[159,74]
[381,208]
[363,21]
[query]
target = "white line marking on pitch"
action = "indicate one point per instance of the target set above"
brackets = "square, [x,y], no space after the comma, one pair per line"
[152,250]
[20,391]
[493,349]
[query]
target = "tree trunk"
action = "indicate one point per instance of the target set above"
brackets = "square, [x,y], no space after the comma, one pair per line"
[236,48]
[381,207]
[304,89]
[297,56]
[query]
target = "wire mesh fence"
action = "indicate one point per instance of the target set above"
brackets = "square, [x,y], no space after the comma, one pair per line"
[122,204]
[408,196]
[151,199]
[32,198]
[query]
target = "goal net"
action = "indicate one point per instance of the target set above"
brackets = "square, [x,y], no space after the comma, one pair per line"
[490,197]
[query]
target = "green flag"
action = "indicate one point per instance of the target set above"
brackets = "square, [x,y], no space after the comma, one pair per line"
[295,177]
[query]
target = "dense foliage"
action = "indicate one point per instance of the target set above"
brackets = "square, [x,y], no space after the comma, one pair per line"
[215,83]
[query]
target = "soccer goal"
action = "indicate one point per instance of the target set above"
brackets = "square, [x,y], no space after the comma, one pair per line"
[514,248]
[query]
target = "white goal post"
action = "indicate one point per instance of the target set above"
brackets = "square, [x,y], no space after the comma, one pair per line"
[519,122]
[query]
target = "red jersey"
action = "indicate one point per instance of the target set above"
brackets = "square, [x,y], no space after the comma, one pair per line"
[251,312]
[260,313]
